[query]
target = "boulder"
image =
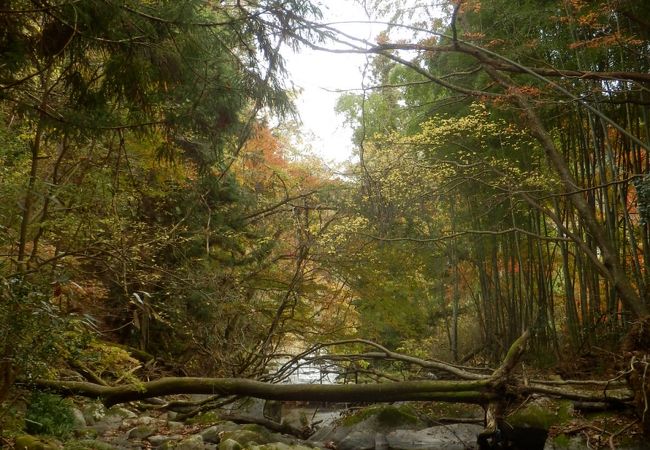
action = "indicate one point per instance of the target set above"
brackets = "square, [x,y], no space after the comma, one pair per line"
[359,430]
[528,427]
[245,437]
[229,444]
[458,436]
[175,426]
[93,412]
[106,423]
[79,421]
[27,442]
[158,440]
[141,432]
[255,408]
[213,434]
[191,443]
[358,440]
[122,412]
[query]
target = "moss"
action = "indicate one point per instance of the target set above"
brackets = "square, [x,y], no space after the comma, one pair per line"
[562,440]
[207,418]
[542,416]
[27,442]
[119,411]
[436,410]
[387,416]
[244,437]
[229,444]
[259,429]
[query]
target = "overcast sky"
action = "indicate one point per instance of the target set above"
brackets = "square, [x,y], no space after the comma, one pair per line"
[318,74]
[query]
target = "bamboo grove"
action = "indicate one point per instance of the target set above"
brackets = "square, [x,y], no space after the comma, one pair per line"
[506,157]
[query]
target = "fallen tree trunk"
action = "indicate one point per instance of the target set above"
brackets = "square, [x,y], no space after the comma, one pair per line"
[446,391]
[499,387]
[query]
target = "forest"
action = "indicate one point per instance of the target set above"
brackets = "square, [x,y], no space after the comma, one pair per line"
[170,244]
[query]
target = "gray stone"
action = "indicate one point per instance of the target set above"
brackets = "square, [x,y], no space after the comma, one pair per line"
[361,428]
[257,409]
[272,410]
[145,420]
[122,412]
[175,426]
[245,437]
[247,407]
[106,423]
[358,440]
[191,443]
[381,443]
[93,412]
[323,434]
[141,432]
[213,434]
[284,439]
[79,420]
[309,416]
[229,444]
[159,439]
[457,436]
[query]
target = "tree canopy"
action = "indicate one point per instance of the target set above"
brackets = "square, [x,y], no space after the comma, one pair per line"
[161,215]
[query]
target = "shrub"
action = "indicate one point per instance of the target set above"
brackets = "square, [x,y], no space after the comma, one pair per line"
[49,414]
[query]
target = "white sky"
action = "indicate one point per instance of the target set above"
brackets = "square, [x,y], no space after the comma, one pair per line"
[318,73]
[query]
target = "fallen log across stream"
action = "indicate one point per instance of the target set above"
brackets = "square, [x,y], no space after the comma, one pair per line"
[498,387]
[498,392]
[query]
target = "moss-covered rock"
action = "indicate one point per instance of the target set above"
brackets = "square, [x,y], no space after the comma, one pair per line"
[191,443]
[93,412]
[213,433]
[229,444]
[27,442]
[158,440]
[141,432]
[529,426]
[245,437]
[542,414]
[121,411]
[259,429]
[385,416]
[360,429]
[206,418]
